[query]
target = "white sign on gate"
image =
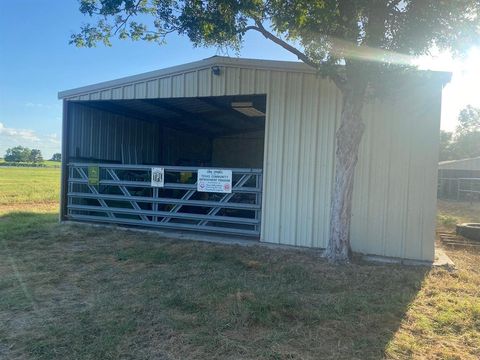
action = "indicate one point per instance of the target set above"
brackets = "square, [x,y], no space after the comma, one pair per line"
[158,177]
[214,180]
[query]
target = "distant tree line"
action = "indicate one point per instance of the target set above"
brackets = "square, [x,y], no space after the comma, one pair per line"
[464,142]
[20,154]
[23,154]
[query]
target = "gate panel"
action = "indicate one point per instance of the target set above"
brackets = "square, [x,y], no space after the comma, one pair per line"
[124,195]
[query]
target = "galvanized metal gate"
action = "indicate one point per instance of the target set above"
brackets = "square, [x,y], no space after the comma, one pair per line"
[124,195]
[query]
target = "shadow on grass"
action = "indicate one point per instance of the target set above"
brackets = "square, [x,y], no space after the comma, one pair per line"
[100,293]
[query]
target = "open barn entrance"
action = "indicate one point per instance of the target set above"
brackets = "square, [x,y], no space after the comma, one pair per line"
[181,163]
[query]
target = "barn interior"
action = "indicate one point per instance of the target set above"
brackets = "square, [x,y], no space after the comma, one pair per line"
[126,139]
[225,131]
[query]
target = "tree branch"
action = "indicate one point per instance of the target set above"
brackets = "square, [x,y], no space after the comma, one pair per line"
[335,77]
[301,56]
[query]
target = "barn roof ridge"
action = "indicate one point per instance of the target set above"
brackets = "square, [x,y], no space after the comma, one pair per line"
[458,160]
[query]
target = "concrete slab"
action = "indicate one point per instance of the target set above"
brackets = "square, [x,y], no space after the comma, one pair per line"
[204,237]
[442,259]
[381,259]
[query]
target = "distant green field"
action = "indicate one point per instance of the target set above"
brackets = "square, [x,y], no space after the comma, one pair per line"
[29,185]
[50,163]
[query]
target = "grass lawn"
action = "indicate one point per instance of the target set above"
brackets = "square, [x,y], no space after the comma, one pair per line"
[54,164]
[29,187]
[79,292]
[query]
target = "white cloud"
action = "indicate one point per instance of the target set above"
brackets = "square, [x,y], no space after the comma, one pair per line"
[10,137]
[18,134]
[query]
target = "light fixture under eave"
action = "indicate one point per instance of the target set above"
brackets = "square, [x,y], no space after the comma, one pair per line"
[247,108]
[216,70]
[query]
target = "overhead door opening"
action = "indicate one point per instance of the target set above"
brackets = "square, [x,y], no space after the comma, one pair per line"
[181,163]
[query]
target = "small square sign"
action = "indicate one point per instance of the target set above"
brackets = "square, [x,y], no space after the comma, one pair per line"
[158,177]
[93,175]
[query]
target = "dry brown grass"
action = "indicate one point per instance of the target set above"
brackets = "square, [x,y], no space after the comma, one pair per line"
[455,212]
[443,321]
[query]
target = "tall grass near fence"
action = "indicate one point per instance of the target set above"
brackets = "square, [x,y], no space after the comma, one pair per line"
[27,187]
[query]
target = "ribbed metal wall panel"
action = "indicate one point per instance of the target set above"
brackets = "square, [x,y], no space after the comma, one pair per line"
[274,133]
[394,197]
[204,82]
[300,131]
[395,184]
[191,84]
[291,145]
[328,116]
[99,134]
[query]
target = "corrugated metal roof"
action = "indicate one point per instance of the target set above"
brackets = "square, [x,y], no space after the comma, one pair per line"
[457,161]
[462,164]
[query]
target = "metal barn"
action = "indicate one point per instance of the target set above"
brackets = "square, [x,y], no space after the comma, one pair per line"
[246,147]
[459,179]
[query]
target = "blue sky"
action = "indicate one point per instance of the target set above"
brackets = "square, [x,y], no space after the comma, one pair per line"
[36,62]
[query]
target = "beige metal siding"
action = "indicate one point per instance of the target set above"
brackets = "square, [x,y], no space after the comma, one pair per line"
[191,83]
[395,185]
[301,116]
[394,199]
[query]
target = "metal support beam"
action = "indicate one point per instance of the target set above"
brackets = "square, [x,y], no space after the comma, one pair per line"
[206,125]
[65,159]
[116,107]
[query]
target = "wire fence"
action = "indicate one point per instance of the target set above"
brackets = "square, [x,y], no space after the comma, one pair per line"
[467,189]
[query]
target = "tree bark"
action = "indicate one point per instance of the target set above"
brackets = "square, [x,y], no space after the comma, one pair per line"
[349,136]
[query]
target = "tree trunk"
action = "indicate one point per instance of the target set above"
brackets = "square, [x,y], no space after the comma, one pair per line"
[348,137]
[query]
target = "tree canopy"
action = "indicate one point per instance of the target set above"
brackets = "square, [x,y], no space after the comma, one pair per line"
[56,157]
[468,120]
[465,142]
[23,154]
[322,32]
[35,156]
